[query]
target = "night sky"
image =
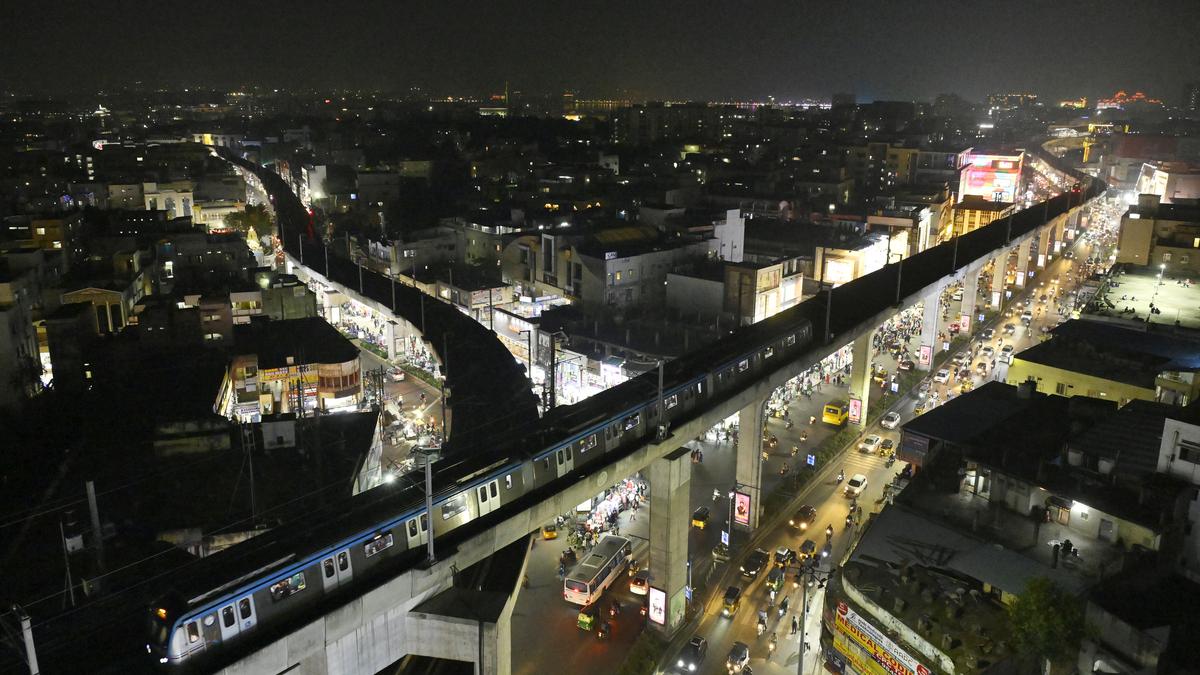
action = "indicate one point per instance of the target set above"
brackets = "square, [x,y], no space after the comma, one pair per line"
[700,49]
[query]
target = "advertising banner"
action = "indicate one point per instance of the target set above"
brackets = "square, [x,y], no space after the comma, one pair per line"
[926,355]
[855,410]
[741,508]
[658,606]
[887,654]
[964,324]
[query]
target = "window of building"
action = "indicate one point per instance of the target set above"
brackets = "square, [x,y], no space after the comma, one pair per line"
[1166,257]
[1061,388]
[1184,259]
[1189,451]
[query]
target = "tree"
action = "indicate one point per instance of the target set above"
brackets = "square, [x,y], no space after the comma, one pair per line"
[1047,622]
[254,216]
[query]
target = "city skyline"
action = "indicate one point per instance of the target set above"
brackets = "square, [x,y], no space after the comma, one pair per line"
[789,51]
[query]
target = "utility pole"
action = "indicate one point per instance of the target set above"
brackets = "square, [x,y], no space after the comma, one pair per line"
[445,372]
[67,561]
[96,531]
[828,314]
[31,659]
[662,405]
[427,453]
[301,238]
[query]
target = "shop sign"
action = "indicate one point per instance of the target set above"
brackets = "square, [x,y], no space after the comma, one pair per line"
[658,606]
[893,659]
[741,508]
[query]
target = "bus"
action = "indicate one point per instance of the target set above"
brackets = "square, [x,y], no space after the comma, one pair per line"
[597,570]
[835,413]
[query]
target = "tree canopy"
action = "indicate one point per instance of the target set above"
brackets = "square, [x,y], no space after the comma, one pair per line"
[1047,622]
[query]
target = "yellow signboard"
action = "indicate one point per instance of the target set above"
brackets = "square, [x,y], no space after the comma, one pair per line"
[888,657]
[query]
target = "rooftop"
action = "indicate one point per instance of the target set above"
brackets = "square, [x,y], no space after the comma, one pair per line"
[1116,352]
[304,341]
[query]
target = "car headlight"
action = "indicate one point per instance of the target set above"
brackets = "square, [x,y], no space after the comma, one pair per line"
[792,523]
[680,664]
[691,667]
[743,568]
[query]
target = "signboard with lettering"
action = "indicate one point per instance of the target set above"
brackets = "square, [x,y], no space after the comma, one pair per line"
[658,606]
[889,657]
[855,412]
[741,508]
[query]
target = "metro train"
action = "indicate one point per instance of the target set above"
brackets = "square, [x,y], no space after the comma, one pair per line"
[214,604]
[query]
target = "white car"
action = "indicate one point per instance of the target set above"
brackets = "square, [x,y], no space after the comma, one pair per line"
[890,420]
[942,376]
[640,584]
[870,444]
[1006,353]
[988,351]
[856,485]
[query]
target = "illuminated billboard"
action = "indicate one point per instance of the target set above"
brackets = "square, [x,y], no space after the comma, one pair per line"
[658,606]
[996,178]
[741,508]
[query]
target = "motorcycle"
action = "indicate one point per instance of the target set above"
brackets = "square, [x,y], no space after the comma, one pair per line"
[829,531]
[841,476]
[614,609]
[634,567]
[795,450]
[771,646]
[762,627]
[604,630]
[849,521]
[783,470]
[890,461]
[803,436]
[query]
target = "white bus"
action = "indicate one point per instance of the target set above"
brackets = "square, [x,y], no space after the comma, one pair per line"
[597,570]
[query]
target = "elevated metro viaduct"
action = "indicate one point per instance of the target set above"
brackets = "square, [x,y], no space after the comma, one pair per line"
[491,390]
[393,619]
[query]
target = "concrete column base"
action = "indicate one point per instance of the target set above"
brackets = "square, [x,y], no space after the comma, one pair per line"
[749,460]
[670,519]
[860,377]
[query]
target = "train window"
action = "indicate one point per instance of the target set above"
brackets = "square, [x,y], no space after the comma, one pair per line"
[672,401]
[560,456]
[588,443]
[379,543]
[700,388]
[453,507]
[546,462]
[329,571]
[791,340]
[344,561]
[568,451]
[508,482]
[424,522]
[412,527]
[244,608]
[289,586]
[744,365]
[768,352]
[193,632]
[227,617]
[632,421]
[493,489]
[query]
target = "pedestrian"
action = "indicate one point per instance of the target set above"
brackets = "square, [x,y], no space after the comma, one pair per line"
[795,624]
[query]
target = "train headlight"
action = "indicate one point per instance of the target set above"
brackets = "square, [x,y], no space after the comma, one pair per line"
[163,660]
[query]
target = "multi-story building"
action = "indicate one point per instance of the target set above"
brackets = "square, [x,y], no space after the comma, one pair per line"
[1171,182]
[749,291]
[1114,362]
[973,212]
[1154,234]
[286,366]
[174,198]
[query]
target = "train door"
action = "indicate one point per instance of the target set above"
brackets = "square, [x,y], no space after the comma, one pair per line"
[209,629]
[246,615]
[336,570]
[488,496]
[229,622]
[417,531]
[193,638]
[565,461]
